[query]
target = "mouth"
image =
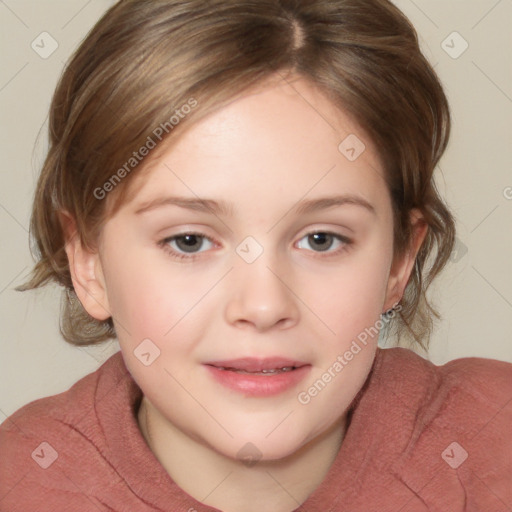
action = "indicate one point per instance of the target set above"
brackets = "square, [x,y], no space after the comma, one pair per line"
[258,377]
[254,366]
[270,371]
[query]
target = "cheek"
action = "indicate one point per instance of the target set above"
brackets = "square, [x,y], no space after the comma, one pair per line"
[352,298]
[150,297]
[137,292]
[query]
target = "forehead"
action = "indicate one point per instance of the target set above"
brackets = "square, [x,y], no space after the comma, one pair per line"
[282,135]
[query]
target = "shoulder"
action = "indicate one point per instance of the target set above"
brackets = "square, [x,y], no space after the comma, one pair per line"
[464,393]
[488,377]
[479,376]
[32,440]
[458,432]
[64,409]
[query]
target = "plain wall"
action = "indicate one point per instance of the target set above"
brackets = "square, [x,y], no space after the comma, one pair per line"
[475,292]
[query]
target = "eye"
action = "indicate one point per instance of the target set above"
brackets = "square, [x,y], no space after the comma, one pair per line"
[189,245]
[322,241]
[179,246]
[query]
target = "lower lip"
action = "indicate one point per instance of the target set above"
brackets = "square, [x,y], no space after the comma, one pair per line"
[259,385]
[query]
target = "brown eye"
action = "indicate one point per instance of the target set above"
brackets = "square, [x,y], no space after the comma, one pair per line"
[323,241]
[186,245]
[189,243]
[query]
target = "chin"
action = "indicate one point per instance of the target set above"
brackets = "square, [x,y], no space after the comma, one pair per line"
[261,449]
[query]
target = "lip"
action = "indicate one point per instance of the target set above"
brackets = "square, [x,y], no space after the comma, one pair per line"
[254,364]
[226,373]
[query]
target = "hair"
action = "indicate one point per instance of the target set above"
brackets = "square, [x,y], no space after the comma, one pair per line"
[149,68]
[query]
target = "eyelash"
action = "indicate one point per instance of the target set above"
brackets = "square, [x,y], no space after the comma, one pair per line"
[164,244]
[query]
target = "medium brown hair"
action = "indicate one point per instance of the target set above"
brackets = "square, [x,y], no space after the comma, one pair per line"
[145,60]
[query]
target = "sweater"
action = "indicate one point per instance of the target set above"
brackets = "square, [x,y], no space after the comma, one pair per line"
[421,437]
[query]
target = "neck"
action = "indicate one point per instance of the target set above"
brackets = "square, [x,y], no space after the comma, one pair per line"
[230,485]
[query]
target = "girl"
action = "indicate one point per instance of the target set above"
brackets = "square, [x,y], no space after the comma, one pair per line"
[242,194]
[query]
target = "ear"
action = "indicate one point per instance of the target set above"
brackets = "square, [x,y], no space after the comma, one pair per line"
[402,267]
[86,271]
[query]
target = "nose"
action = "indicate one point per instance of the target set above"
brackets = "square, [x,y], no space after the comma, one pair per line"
[261,298]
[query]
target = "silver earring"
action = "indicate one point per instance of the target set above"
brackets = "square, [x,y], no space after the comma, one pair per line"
[390,312]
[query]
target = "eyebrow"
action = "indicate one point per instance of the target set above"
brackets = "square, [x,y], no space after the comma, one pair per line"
[226,209]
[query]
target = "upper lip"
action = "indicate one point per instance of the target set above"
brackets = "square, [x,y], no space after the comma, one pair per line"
[252,364]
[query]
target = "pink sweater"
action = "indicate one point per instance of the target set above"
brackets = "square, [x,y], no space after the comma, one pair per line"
[421,438]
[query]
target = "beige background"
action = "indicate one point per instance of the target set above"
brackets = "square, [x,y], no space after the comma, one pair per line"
[475,292]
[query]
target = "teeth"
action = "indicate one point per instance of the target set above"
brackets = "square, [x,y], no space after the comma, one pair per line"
[276,370]
[269,371]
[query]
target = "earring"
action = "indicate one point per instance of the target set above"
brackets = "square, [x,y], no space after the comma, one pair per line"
[390,312]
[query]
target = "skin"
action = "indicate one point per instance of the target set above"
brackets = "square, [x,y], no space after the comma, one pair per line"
[265,152]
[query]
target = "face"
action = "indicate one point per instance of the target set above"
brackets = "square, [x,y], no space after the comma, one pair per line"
[246,273]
